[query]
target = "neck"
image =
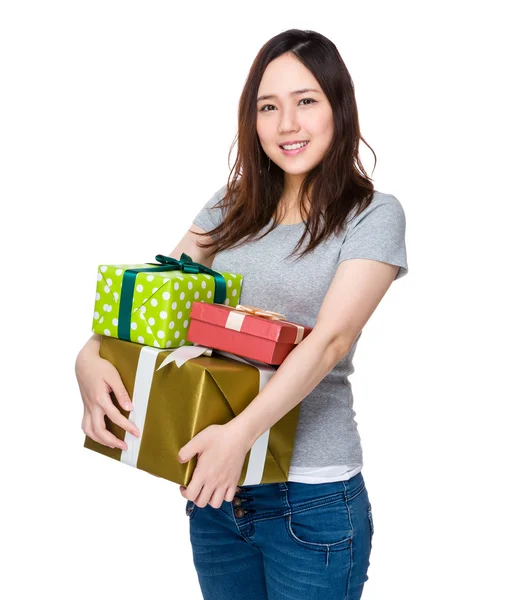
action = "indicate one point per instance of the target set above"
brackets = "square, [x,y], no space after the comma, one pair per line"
[292,185]
[288,210]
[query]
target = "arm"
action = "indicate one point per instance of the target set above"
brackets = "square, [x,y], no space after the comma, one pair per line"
[91,347]
[188,244]
[356,290]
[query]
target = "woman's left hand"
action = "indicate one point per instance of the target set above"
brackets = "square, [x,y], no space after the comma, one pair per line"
[221,453]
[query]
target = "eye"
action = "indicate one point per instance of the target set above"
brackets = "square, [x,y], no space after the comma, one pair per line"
[302,100]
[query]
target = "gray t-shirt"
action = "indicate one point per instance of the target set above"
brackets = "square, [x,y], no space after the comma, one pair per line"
[327,442]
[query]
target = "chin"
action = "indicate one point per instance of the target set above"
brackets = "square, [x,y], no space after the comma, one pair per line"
[296,169]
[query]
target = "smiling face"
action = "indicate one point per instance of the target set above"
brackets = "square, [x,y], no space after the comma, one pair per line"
[287,116]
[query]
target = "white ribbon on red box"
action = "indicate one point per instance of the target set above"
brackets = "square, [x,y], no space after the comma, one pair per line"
[238,314]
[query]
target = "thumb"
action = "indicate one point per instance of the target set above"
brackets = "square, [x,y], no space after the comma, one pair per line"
[187,452]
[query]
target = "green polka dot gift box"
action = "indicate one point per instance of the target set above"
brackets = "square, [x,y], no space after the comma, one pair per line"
[150,303]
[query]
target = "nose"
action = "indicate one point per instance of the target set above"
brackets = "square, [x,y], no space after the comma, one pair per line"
[288,121]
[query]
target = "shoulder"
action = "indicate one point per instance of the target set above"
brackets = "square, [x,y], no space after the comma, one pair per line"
[216,197]
[383,208]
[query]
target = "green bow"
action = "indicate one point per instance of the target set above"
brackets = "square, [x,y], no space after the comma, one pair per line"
[167,263]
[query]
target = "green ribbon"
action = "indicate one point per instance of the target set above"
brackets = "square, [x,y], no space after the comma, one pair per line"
[167,263]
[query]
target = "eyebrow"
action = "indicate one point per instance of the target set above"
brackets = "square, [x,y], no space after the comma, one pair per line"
[295,93]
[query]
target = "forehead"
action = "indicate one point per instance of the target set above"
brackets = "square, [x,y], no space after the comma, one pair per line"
[284,75]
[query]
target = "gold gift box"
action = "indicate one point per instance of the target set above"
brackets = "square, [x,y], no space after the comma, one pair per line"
[173,403]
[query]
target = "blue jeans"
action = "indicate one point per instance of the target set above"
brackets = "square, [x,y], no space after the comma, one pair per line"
[284,541]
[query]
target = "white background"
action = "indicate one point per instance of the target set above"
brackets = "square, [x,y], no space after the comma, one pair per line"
[116,121]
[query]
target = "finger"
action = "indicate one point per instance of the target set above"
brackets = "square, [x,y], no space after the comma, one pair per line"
[204,497]
[103,436]
[217,498]
[88,425]
[115,383]
[92,435]
[86,422]
[194,489]
[87,428]
[230,494]
[118,418]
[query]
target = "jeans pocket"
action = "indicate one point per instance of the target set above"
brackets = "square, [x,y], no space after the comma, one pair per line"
[371,525]
[191,509]
[321,524]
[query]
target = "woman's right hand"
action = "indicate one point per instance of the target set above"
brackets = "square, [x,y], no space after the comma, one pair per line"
[97,377]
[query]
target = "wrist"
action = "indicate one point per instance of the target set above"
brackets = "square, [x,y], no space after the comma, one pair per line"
[87,355]
[240,431]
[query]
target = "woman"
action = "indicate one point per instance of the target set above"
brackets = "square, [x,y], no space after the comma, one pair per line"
[298,178]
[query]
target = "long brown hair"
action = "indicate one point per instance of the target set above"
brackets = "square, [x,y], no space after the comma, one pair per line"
[336,186]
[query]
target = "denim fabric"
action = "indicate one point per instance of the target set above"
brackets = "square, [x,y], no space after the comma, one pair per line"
[284,541]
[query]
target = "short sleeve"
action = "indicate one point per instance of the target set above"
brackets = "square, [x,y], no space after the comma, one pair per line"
[378,233]
[210,216]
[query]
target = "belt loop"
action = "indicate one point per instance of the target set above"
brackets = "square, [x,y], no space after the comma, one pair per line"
[282,486]
[345,491]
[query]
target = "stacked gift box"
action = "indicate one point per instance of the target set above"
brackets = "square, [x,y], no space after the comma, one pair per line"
[190,356]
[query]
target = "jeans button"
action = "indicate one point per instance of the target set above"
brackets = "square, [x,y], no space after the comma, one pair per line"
[237,501]
[239,512]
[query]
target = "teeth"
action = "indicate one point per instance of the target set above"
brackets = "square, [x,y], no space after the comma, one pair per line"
[294,146]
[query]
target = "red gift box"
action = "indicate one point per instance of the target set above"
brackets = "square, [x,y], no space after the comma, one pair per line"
[246,331]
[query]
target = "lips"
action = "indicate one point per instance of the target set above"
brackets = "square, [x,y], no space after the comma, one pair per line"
[295,142]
